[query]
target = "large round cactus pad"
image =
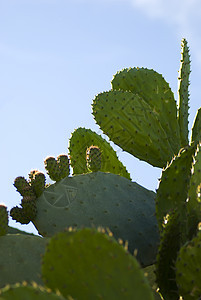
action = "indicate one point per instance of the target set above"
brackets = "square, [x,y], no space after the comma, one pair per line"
[102,199]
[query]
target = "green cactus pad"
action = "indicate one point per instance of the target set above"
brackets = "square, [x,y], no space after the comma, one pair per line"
[173,188]
[3,220]
[188,269]
[196,129]
[29,207]
[132,124]
[64,166]
[153,88]
[18,214]
[23,187]
[20,258]
[91,265]
[194,203]
[183,93]
[93,158]
[81,140]
[102,199]
[37,182]
[28,292]
[52,168]
[167,252]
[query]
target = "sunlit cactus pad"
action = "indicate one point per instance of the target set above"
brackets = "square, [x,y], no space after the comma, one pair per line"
[88,264]
[102,199]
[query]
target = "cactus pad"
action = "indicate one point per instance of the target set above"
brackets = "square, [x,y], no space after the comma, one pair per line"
[173,189]
[3,220]
[183,93]
[131,123]
[88,264]
[20,258]
[154,89]
[188,269]
[102,199]
[93,157]
[37,182]
[81,140]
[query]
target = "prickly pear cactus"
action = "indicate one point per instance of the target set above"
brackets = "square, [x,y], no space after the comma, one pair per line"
[183,93]
[3,220]
[93,157]
[57,168]
[188,269]
[141,116]
[92,265]
[101,199]
[20,256]
[81,140]
[142,121]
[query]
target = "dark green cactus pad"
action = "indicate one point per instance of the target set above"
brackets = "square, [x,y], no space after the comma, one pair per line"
[52,168]
[23,187]
[37,182]
[194,203]
[153,89]
[18,214]
[91,265]
[174,183]
[188,269]
[29,207]
[64,165]
[131,123]
[167,253]
[102,199]
[183,93]
[93,158]
[81,140]
[28,292]
[3,220]
[196,129]
[20,258]
[149,273]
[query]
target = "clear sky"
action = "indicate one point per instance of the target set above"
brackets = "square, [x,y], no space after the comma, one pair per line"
[57,55]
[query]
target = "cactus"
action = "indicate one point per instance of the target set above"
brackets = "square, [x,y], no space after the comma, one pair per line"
[101,199]
[81,140]
[20,257]
[183,93]
[28,292]
[93,157]
[141,121]
[188,269]
[167,252]
[88,264]
[173,185]
[37,182]
[3,220]
[57,168]
[140,115]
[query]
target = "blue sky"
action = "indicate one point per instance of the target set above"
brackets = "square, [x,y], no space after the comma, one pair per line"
[56,55]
